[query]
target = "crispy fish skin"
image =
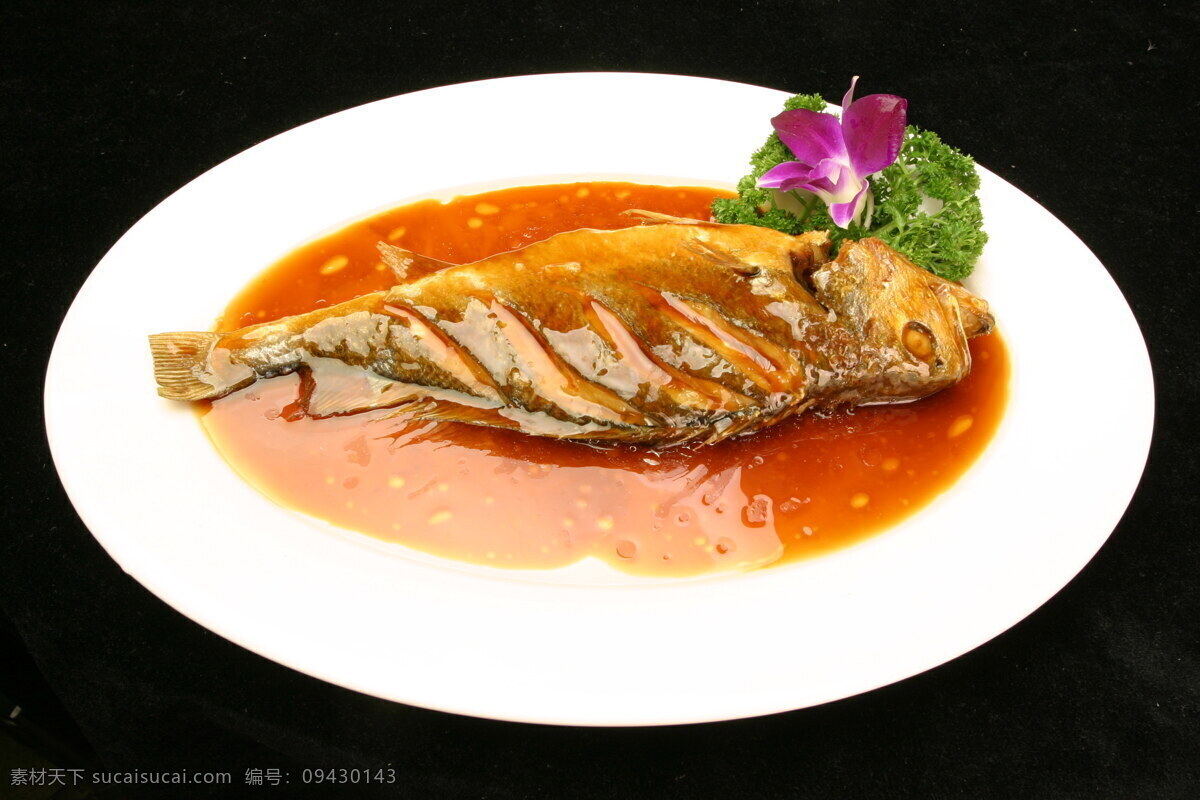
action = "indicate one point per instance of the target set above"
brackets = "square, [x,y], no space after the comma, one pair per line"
[680,331]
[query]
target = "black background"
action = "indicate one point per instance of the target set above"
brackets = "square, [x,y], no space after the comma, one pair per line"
[1090,108]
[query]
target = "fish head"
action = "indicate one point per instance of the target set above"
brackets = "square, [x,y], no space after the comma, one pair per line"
[912,325]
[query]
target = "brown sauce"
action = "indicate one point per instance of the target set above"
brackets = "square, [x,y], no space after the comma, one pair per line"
[501,498]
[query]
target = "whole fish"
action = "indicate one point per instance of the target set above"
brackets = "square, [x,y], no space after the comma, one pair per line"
[670,332]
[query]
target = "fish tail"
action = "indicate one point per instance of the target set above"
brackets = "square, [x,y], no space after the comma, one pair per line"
[181,365]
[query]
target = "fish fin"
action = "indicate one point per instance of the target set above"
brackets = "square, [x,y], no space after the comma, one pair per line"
[185,369]
[407,265]
[722,258]
[332,388]
[664,219]
[538,423]
[431,409]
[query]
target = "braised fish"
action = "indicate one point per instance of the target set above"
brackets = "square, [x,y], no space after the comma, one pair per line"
[670,332]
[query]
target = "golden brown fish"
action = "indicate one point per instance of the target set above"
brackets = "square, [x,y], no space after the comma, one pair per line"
[679,331]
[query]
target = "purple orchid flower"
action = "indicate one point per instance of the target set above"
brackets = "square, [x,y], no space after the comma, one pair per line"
[834,157]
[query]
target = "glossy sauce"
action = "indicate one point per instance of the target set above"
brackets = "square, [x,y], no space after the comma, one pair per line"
[506,499]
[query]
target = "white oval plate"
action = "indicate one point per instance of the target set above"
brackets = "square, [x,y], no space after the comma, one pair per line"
[544,648]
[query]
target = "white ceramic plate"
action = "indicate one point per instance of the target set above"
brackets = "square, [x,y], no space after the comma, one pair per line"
[575,647]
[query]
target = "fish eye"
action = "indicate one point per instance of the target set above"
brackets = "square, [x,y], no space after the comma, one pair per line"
[918,340]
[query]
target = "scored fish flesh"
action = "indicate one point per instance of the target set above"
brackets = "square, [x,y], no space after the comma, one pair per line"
[669,332]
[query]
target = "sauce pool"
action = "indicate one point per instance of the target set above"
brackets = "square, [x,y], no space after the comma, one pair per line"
[502,498]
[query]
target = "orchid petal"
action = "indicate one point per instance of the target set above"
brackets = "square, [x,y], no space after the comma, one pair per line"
[811,136]
[795,175]
[848,98]
[873,128]
[843,213]
[785,176]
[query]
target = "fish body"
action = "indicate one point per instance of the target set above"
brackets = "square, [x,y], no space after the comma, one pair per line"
[671,332]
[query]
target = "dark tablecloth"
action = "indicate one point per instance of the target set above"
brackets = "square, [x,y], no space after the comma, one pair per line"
[1090,108]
